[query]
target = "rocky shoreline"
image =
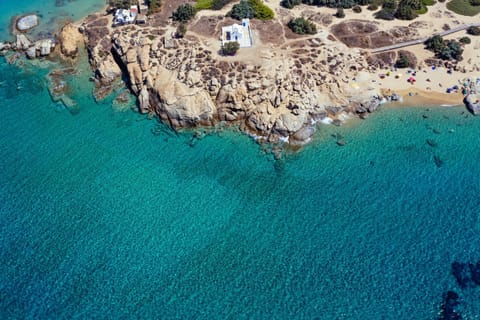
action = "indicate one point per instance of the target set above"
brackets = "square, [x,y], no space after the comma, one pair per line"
[277,99]
[277,96]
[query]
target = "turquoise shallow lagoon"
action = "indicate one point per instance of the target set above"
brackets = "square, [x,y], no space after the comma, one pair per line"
[106,214]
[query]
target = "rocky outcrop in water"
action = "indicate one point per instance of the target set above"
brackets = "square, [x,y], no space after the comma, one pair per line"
[472,101]
[275,97]
[27,22]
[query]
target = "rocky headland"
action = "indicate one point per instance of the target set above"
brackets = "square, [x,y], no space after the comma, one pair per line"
[274,94]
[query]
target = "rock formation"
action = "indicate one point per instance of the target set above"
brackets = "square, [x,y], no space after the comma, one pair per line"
[472,101]
[275,97]
[70,39]
[27,22]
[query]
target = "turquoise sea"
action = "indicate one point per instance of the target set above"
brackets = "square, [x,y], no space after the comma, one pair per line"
[105,214]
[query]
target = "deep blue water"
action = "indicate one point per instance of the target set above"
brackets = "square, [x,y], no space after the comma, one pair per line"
[106,214]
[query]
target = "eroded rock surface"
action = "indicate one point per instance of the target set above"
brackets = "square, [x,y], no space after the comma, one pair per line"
[276,95]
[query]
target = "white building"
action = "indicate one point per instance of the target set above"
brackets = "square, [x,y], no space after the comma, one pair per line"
[124,16]
[240,33]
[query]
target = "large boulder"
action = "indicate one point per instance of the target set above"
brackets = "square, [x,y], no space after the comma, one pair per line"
[472,101]
[70,38]
[45,46]
[22,42]
[31,52]
[27,22]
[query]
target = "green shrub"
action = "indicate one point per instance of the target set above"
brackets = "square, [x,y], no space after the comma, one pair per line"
[340,13]
[372,7]
[302,26]
[184,13]
[251,9]
[474,31]
[219,4]
[230,48]
[262,12]
[203,5]
[464,40]
[463,7]
[405,11]
[357,9]
[385,14]
[444,49]
[242,10]
[289,4]
[402,61]
[428,2]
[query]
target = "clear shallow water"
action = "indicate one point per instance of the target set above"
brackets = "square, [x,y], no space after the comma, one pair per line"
[52,13]
[100,218]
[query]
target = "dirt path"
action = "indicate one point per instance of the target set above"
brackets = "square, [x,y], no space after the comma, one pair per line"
[422,40]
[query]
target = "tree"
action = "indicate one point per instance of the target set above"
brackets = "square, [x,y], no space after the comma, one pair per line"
[242,10]
[184,13]
[435,43]
[340,13]
[230,48]
[302,26]
[405,12]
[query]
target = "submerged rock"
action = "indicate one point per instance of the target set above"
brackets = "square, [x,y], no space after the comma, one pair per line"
[27,22]
[438,161]
[431,143]
[460,272]
[447,309]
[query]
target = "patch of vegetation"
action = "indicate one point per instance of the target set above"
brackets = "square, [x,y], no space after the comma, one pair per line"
[463,7]
[474,31]
[444,49]
[357,9]
[372,7]
[154,5]
[184,13]
[211,4]
[340,13]
[346,4]
[242,10]
[119,4]
[203,4]
[251,9]
[181,31]
[230,48]
[465,40]
[302,26]
[403,61]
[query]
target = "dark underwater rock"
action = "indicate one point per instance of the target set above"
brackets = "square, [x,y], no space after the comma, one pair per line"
[475,272]
[431,143]
[447,310]
[460,272]
[438,161]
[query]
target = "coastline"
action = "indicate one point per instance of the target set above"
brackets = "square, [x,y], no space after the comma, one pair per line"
[274,91]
